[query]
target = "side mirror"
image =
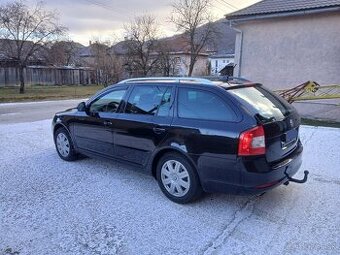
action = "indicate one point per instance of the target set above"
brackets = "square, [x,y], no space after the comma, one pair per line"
[94,114]
[81,107]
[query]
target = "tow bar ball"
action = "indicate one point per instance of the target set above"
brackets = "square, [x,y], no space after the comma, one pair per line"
[291,179]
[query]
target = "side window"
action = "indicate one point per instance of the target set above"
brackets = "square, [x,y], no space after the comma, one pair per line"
[108,102]
[204,105]
[149,100]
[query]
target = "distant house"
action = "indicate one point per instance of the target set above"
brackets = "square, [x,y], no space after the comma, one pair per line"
[284,43]
[180,56]
[89,53]
[221,64]
[7,60]
[182,62]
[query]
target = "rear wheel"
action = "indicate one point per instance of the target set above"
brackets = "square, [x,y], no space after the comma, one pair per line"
[64,145]
[177,178]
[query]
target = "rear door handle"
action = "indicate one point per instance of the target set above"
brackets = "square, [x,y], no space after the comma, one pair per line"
[107,123]
[157,130]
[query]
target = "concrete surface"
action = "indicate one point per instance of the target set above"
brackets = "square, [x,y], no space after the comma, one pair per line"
[319,109]
[34,111]
[49,206]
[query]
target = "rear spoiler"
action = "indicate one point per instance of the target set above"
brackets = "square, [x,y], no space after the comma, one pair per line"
[225,79]
[243,86]
[233,82]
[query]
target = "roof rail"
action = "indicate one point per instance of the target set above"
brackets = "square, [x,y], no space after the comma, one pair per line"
[168,79]
[201,79]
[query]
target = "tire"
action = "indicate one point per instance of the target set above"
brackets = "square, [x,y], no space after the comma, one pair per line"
[64,145]
[178,179]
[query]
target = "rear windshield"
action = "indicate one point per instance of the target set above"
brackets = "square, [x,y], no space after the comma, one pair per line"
[263,102]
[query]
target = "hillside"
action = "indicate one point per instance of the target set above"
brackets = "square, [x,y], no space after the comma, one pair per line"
[222,43]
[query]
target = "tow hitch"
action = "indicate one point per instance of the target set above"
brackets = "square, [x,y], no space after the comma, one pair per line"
[291,179]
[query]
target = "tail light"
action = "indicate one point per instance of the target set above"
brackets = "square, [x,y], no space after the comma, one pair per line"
[252,142]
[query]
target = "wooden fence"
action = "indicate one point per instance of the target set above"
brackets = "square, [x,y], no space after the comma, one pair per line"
[42,75]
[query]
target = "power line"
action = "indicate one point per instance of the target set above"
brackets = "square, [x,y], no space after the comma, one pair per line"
[105,6]
[219,2]
[99,4]
[230,5]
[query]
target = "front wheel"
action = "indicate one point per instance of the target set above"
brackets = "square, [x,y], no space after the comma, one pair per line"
[177,179]
[64,145]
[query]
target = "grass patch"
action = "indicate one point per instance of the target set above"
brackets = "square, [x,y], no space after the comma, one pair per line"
[40,92]
[323,123]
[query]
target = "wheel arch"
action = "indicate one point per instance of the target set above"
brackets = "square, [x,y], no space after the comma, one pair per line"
[61,125]
[160,153]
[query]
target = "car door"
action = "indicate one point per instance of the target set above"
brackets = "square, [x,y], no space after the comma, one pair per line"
[144,123]
[93,130]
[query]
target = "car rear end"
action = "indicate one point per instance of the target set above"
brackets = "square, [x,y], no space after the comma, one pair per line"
[269,151]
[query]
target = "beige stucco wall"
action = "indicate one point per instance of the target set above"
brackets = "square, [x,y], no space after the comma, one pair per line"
[200,68]
[284,52]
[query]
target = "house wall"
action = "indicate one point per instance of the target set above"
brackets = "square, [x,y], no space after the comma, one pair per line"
[285,52]
[200,68]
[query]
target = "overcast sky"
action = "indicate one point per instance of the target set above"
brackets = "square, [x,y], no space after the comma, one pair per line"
[104,19]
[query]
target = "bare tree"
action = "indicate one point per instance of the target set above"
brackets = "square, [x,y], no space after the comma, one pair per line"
[193,17]
[141,37]
[167,62]
[64,53]
[108,66]
[26,30]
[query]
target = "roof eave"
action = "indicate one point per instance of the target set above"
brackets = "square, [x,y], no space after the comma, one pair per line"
[231,55]
[244,18]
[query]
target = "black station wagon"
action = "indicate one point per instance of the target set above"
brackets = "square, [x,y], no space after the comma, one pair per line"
[193,135]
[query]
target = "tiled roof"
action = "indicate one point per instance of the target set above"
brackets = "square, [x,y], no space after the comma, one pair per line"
[266,7]
[7,44]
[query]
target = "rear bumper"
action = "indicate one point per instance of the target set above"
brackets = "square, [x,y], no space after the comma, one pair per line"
[256,175]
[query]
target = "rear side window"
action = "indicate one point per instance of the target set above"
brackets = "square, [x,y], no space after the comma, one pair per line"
[264,102]
[149,100]
[204,105]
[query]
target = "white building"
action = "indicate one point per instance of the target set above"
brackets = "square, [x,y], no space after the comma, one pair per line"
[219,61]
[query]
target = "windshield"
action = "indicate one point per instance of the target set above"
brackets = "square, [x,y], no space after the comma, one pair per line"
[265,103]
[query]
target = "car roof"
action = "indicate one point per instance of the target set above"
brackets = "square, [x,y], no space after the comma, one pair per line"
[221,81]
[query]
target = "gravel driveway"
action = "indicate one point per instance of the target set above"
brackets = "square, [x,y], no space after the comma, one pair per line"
[48,206]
